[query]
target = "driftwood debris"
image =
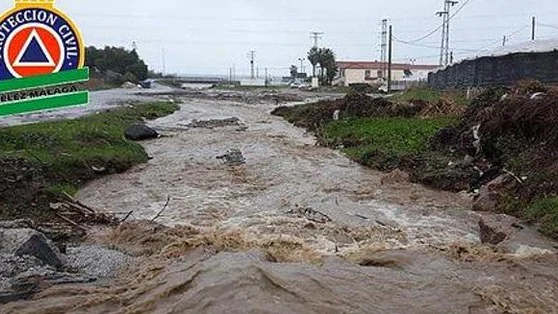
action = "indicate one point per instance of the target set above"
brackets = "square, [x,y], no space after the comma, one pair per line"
[310,214]
[162,210]
[77,214]
[127,216]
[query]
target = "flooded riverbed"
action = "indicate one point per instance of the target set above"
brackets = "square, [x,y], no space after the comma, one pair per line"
[373,248]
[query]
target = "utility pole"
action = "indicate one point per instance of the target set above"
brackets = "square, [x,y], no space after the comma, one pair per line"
[383,56]
[301,65]
[164,61]
[252,57]
[533,28]
[266,77]
[445,14]
[390,52]
[316,36]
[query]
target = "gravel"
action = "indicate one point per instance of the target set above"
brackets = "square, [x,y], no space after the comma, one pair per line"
[97,261]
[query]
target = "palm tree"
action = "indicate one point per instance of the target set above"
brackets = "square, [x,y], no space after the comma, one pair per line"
[327,64]
[314,58]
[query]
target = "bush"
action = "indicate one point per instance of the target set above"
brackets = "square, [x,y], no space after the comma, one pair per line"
[546,212]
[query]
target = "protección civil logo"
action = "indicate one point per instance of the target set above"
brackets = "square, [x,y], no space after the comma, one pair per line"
[42,58]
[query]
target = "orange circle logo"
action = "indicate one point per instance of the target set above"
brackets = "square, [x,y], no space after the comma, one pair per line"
[33,49]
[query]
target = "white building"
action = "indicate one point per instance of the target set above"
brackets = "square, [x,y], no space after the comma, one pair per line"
[373,72]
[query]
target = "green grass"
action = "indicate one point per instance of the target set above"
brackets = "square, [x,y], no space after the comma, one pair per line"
[430,95]
[382,143]
[391,135]
[88,138]
[545,211]
[63,154]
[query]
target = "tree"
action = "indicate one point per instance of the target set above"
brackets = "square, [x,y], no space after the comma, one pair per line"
[328,65]
[325,57]
[294,71]
[117,60]
[314,58]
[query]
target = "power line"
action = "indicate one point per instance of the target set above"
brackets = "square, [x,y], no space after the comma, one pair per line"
[434,31]
[425,45]
[547,25]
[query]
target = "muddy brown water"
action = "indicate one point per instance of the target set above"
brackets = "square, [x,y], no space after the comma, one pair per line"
[396,248]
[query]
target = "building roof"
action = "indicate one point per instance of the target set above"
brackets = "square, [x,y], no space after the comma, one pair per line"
[533,46]
[376,65]
[546,45]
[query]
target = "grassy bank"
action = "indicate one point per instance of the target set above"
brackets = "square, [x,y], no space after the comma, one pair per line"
[38,161]
[383,143]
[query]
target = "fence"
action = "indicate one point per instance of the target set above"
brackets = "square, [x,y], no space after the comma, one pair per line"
[503,70]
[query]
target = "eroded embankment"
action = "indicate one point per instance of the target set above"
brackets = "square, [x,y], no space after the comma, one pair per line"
[504,142]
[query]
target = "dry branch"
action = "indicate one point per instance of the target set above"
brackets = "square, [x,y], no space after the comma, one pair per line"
[162,210]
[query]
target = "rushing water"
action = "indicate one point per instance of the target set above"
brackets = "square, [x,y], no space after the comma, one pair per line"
[388,249]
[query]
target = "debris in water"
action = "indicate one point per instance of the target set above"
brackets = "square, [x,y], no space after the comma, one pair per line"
[310,214]
[215,123]
[162,210]
[233,157]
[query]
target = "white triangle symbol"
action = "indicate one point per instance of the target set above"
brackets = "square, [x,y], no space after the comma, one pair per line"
[48,63]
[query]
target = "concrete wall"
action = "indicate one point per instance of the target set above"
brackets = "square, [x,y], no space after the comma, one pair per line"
[503,70]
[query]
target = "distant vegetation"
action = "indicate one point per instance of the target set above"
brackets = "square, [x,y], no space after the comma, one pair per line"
[116,65]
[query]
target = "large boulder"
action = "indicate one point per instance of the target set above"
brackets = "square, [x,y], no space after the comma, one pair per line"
[455,179]
[28,242]
[494,230]
[492,194]
[140,132]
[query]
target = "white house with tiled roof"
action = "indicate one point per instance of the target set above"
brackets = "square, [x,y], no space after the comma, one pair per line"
[371,72]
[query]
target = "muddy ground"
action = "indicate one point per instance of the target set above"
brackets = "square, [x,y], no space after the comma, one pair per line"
[293,228]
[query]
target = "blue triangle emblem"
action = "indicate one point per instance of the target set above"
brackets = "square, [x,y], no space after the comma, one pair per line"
[34,53]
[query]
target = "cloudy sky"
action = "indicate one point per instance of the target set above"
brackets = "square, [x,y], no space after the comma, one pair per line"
[210,36]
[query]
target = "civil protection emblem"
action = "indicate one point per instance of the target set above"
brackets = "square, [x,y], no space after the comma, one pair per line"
[42,56]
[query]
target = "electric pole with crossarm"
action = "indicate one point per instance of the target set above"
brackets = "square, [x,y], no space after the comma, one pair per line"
[446,15]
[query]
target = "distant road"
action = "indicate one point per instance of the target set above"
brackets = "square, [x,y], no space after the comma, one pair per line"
[99,100]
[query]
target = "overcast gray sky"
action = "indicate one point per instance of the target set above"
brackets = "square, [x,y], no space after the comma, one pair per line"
[209,36]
